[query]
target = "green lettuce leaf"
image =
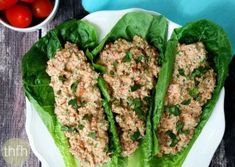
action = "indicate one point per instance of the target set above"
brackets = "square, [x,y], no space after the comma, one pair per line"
[36,81]
[219,51]
[153,29]
[150,27]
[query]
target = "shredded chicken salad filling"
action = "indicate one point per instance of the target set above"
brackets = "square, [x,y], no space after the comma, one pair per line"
[78,105]
[131,72]
[191,87]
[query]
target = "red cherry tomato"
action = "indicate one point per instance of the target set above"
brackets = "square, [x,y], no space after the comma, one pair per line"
[42,8]
[27,1]
[4,4]
[19,15]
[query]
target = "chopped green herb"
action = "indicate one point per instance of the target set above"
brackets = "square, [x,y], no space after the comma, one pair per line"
[116,102]
[186,102]
[181,72]
[180,126]
[87,117]
[82,104]
[81,126]
[128,57]
[136,105]
[68,129]
[147,59]
[173,137]
[74,86]
[173,110]
[134,102]
[115,63]
[62,78]
[147,99]
[199,72]
[92,135]
[111,73]
[186,132]
[198,98]
[73,103]
[135,136]
[136,87]
[106,148]
[140,113]
[140,59]
[194,92]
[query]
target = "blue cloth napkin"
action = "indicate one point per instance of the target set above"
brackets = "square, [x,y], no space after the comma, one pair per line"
[180,11]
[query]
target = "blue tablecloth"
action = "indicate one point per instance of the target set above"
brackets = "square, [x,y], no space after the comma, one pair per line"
[180,11]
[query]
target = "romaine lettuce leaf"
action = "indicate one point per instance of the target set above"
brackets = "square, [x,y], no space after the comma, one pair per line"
[36,81]
[153,29]
[220,54]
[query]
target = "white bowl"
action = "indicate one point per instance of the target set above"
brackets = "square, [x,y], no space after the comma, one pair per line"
[38,26]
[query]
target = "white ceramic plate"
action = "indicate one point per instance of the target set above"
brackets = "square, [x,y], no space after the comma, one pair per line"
[202,151]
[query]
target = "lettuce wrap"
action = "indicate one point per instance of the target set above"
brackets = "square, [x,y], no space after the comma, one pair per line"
[219,50]
[154,30]
[36,80]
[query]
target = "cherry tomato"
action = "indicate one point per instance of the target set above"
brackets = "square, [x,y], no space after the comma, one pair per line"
[4,4]
[42,8]
[27,1]
[19,15]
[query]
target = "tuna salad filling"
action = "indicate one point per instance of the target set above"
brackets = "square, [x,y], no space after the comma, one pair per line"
[192,85]
[78,105]
[131,72]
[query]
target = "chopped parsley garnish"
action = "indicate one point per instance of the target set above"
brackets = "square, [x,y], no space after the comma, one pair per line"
[186,132]
[81,126]
[180,126]
[62,78]
[147,99]
[173,110]
[193,92]
[136,105]
[74,86]
[92,135]
[128,57]
[87,117]
[198,98]
[199,72]
[115,63]
[186,102]
[136,87]
[140,113]
[173,137]
[82,104]
[181,72]
[140,59]
[135,136]
[73,103]
[111,73]
[68,129]
[116,102]
[106,148]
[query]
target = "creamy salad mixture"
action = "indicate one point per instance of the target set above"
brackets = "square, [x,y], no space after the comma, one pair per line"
[191,87]
[78,105]
[131,72]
